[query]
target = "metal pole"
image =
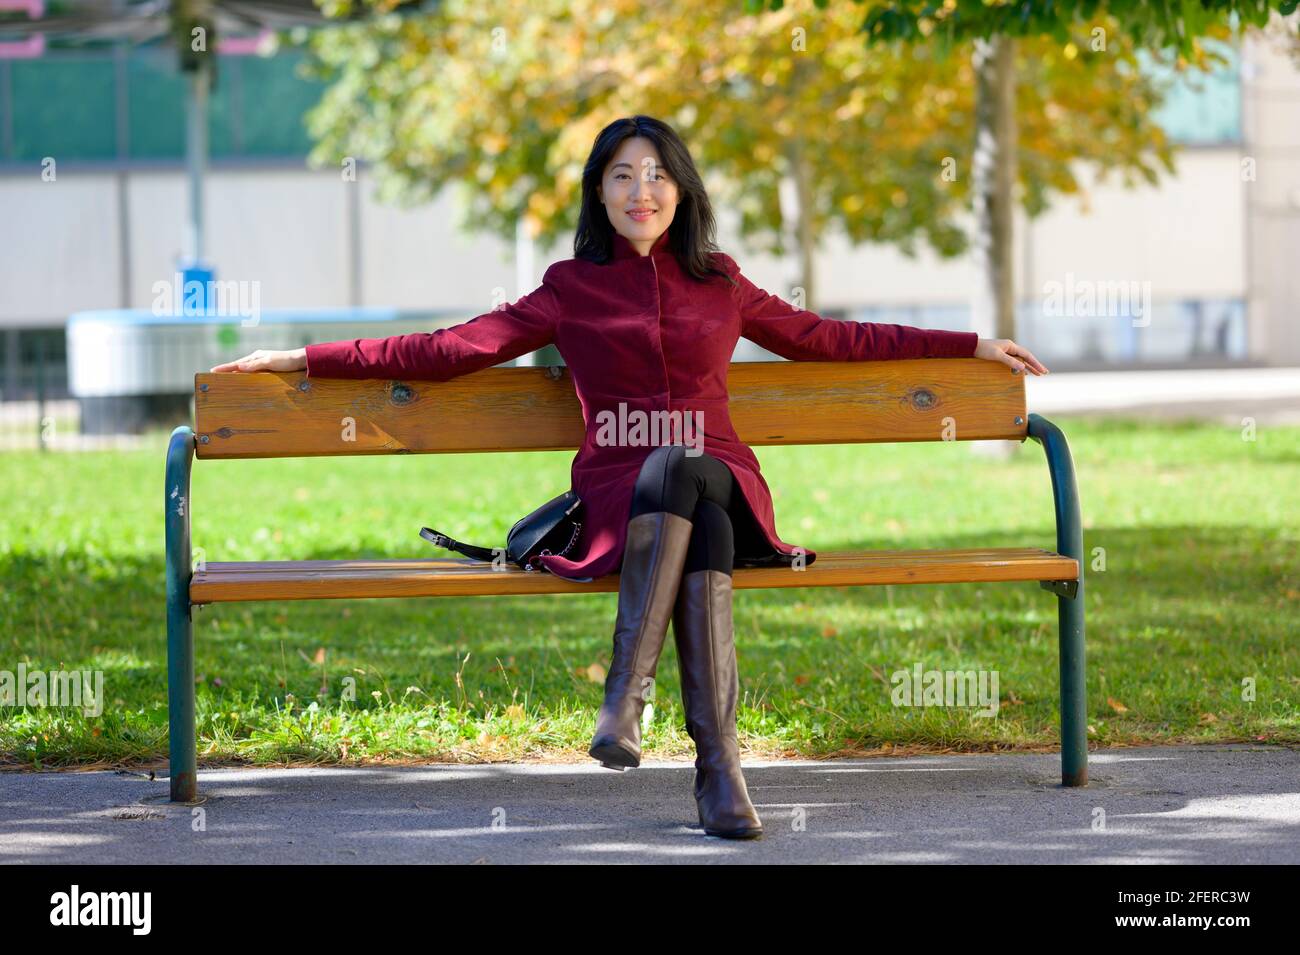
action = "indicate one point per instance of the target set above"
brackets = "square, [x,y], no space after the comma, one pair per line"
[196,157]
[182,739]
[1069,601]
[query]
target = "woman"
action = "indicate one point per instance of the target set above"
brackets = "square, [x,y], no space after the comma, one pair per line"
[646,316]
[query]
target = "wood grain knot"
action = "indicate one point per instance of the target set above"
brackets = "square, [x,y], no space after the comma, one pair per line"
[922,399]
[401,394]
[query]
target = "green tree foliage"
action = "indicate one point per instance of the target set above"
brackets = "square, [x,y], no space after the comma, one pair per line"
[504,100]
[1149,23]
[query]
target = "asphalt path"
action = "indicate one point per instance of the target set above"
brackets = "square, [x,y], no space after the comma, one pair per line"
[1189,804]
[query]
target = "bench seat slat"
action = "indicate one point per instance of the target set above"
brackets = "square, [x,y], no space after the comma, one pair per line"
[453,577]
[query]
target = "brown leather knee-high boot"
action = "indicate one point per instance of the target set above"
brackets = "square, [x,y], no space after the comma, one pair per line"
[706,652]
[652,569]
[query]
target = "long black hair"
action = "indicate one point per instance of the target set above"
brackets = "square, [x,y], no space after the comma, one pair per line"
[691,233]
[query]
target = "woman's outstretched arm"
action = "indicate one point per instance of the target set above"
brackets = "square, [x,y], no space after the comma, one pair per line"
[481,342]
[801,335]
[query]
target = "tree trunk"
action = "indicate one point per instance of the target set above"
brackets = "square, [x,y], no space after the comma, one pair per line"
[802,225]
[993,179]
[797,223]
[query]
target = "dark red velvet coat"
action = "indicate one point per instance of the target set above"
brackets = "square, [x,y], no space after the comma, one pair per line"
[639,330]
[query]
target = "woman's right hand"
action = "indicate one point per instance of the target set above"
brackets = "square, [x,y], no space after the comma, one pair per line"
[1006,351]
[263,360]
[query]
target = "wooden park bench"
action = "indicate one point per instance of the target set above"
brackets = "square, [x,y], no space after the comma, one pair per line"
[535,409]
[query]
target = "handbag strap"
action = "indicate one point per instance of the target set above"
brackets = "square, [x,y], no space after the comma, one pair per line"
[469,550]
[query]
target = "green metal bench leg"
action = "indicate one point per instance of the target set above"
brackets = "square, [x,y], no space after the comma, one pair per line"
[180,629]
[1069,598]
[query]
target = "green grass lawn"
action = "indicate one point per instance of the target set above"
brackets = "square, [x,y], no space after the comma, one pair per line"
[1199,592]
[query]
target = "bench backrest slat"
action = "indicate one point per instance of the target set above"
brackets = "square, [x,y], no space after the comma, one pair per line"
[535,409]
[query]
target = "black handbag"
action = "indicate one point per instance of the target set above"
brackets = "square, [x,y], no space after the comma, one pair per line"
[552,529]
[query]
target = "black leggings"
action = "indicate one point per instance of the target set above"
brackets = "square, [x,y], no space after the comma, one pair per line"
[701,489]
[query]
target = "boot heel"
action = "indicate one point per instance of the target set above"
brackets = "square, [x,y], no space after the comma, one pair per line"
[614,756]
[735,833]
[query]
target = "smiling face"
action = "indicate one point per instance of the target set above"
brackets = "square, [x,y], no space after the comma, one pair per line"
[639,197]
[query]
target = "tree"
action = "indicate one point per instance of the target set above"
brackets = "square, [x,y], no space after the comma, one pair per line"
[993,25]
[505,101]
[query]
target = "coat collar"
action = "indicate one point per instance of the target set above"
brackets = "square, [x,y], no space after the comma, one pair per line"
[623,249]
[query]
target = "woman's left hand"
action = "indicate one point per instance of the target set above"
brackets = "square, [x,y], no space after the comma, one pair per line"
[1009,353]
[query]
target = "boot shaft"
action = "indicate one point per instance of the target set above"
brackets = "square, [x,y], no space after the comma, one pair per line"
[651,572]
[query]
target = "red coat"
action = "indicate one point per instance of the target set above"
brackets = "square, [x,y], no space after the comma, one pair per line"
[638,330]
